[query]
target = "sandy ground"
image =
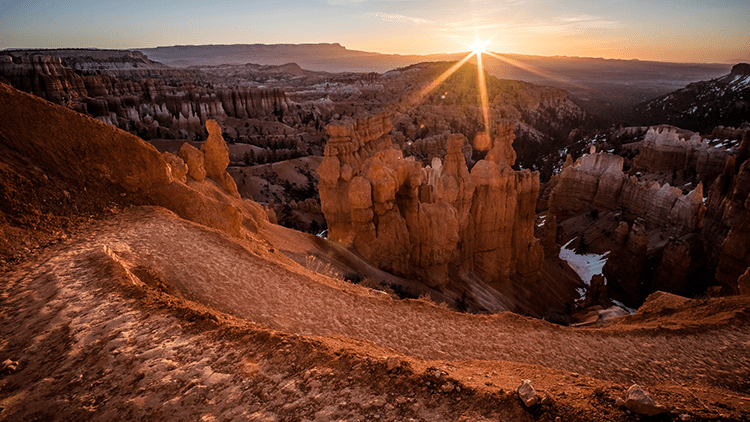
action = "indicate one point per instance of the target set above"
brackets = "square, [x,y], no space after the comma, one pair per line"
[147,316]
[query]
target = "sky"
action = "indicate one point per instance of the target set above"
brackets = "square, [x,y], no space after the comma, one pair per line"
[664,30]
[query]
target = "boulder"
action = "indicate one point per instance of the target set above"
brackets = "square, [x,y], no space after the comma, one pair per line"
[178,167]
[194,160]
[639,401]
[527,393]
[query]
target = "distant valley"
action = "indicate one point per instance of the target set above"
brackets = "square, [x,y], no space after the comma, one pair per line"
[605,87]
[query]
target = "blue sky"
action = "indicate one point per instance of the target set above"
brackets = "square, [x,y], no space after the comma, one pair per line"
[681,30]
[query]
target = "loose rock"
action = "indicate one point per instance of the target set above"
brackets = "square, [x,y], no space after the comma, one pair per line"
[527,393]
[9,366]
[639,401]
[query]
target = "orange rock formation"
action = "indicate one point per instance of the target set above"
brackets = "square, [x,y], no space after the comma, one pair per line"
[440,224]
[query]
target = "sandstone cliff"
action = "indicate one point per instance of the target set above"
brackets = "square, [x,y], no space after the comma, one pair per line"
[440,224]
[596,182]
[152,102]
[726,231]
[86,153]
[681,155]
[650,249]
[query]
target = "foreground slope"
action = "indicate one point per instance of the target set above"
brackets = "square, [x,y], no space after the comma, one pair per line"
[142,314]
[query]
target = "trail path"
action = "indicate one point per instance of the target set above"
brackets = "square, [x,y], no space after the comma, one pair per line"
[205,266]
[78,341]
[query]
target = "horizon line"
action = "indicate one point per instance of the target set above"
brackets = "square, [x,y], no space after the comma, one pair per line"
[736,61]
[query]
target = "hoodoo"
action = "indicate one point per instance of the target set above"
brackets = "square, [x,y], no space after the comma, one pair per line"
[441,224]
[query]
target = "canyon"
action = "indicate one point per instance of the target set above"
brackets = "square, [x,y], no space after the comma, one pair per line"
[146,270]
[660,237]
[120,302]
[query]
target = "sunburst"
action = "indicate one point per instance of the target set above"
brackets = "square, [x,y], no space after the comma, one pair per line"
[478,48]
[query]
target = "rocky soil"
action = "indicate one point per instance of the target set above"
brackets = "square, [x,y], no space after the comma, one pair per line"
[144,315]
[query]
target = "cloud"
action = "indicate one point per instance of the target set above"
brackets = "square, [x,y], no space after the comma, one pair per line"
[472,25]
[589,22]
[389,17]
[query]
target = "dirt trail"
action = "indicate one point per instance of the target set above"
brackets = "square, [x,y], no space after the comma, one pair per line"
[255,282]
[208,267]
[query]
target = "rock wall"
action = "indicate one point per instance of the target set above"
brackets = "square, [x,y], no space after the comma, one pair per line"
[440,223]
[726,231]
[86,153]
[596,182]
[669,240]
[156,102]
[682,154]
[650,248]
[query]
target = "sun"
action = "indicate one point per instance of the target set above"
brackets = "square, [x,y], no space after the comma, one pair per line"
[479,46]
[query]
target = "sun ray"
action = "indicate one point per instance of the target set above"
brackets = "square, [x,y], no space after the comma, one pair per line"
[483,93]
[440,79]
[532,69]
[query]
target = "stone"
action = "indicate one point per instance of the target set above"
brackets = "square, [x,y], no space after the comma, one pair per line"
[178,167]
[639,401]
[527,393]
[194,160]
[447,387]
[8,366]
[392,363]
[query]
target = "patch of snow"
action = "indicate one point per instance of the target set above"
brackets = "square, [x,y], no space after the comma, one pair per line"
[631,311]
[586,265]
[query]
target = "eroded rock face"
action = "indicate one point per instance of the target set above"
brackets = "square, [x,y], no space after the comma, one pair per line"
[140,99]
[85,152]
[743,283]
[597,182]
[675,267]
[177,166]
[680,154]
[194,160]
[726,231]
[626,264]
[683,236]
[593,181]
[435,222]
